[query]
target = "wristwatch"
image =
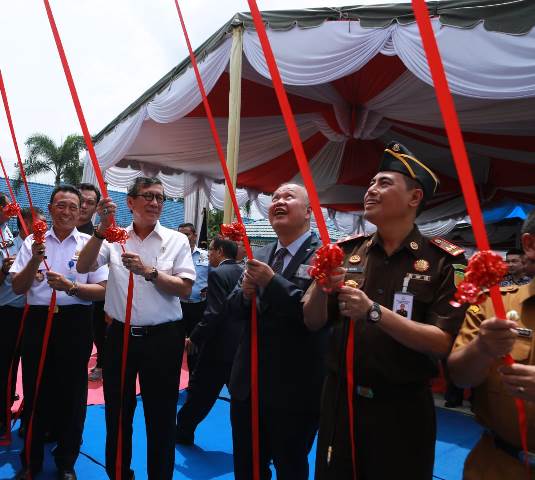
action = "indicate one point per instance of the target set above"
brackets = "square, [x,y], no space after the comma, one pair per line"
[152,275]
[98,235]
[73,290]
[375,314]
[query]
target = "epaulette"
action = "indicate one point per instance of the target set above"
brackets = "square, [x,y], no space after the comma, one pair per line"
[447,246]
[352,237]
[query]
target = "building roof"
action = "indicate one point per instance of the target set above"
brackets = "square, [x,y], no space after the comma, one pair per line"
[172,214]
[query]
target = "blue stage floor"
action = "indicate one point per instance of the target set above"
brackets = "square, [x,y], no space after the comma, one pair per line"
[211,457]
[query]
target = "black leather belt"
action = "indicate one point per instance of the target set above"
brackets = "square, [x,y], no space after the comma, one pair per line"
[513,451]
[146,330]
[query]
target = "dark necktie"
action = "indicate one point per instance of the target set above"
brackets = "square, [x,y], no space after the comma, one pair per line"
[277,263]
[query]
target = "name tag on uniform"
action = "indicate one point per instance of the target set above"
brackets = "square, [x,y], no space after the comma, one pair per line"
[302,272]
[355,269]
[403,302]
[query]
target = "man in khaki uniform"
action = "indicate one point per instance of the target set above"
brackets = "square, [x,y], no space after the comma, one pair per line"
[475,362]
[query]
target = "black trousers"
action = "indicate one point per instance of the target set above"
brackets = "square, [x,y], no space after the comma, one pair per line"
[68,352]
[9,358]
[156,358]
[394,436]
[99,331]
[211,374]
[191,316]
[286,438]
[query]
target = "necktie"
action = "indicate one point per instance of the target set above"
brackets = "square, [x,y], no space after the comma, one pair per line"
[277,263]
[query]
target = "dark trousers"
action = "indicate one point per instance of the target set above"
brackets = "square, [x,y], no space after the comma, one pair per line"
[286,438]
[156,358]
[99,331]
[9,358]
[191,316]
[211,374]
[68,352]
[394,436]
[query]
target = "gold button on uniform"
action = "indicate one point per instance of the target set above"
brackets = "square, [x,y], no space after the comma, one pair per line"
[421,265]
[351,283]
[354,259]
[414,245]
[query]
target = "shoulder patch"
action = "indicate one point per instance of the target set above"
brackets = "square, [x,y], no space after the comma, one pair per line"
[447,246]
[352,237]
[474,309]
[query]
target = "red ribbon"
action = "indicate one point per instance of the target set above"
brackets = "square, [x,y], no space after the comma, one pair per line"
[246,244]
[11,210]
[328,258]
[464,172]
[485,270]
[233,231]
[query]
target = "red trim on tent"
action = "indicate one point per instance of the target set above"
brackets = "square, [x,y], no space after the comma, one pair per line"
[257,101]
[368,82]
[268,176]
[509,142]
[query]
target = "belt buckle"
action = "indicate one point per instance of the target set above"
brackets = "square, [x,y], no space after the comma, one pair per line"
[365,392]
[134,330]
[530,458]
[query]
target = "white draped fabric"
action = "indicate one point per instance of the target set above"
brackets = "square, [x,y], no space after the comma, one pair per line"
[491,74]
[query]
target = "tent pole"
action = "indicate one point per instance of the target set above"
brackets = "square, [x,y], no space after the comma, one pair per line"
[234,108]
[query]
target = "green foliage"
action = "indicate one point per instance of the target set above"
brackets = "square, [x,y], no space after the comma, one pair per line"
[215,219]
[44,155]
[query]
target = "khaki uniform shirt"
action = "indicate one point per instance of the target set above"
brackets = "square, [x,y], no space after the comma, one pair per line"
[434,266]
[494,408]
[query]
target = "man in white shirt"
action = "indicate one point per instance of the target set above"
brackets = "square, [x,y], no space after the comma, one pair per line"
[161,262]
[70,342]
[11,307]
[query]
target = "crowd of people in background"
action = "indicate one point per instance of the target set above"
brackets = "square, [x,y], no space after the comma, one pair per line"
[351,357]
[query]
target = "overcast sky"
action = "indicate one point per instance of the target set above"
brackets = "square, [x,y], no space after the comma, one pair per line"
[116,49]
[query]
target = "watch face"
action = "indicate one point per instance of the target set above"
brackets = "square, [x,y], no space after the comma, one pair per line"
[374,315]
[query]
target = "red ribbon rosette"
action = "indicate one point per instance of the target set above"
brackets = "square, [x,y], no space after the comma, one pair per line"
[233,231]
[11,210]
[328,258]
[39,229]
[116,234]
[485,269]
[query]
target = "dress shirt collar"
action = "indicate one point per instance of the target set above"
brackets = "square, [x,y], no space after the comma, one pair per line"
[295,245]
[74,233]
[157,230]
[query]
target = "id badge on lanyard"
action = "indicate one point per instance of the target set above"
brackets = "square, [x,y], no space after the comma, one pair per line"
[404,300]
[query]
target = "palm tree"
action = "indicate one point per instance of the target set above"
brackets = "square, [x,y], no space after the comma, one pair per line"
[63,161]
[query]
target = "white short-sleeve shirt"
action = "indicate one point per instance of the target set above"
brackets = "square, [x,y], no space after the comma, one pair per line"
[61,257]
[166,250]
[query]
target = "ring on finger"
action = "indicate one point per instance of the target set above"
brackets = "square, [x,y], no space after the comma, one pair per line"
[104,211]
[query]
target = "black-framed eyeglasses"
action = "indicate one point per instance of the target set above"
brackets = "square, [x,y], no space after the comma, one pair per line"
[149,197]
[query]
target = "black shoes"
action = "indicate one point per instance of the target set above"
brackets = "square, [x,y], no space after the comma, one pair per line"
[183,438]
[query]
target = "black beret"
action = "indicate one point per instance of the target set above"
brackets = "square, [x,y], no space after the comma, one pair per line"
[397,158]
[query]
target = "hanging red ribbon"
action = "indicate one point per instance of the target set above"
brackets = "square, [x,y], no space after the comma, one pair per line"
[464,171]
[8,183]
[246,244]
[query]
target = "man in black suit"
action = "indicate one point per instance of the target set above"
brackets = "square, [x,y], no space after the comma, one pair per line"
[216,338]
[290,358]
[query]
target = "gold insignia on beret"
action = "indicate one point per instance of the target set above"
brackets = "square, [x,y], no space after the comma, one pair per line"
[421,265]
[395,147]
[56,309]
[351,283]
[354,259]
[474,309]
[414,245]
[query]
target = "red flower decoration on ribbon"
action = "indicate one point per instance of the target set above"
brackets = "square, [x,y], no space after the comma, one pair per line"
[328,258]
[39,229]
[11,210]
[233,231]
[116,234]
[485,269]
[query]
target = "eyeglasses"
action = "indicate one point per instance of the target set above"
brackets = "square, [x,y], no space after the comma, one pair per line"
[64,206]
[149,197]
